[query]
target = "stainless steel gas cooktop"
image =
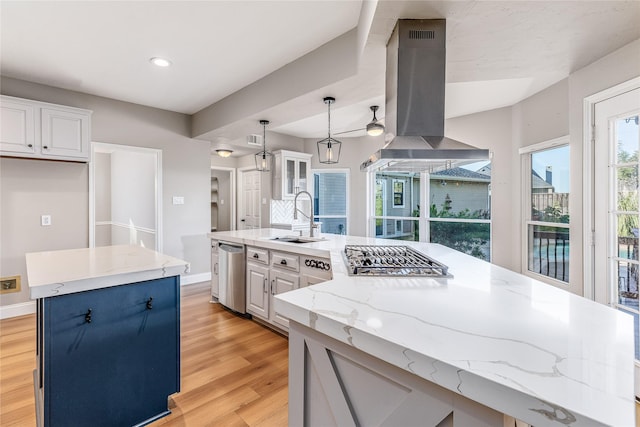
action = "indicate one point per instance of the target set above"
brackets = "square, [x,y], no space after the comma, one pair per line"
[374,260]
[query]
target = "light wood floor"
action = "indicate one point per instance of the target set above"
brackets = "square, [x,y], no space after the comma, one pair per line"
[234,371]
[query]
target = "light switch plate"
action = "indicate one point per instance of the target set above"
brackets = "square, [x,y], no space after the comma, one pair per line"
[178,200]
[45,220]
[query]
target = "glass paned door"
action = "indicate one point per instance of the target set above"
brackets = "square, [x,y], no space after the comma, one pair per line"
[617,208]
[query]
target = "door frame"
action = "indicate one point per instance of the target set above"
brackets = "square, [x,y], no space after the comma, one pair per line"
[108,147]
[232,192]
[588,207]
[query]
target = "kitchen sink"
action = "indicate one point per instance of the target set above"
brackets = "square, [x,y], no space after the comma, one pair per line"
[298,239]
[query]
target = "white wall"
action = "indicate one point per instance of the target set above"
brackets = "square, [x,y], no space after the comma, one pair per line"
[30,186]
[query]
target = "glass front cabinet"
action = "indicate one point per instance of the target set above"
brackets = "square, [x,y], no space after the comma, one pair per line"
[291,174]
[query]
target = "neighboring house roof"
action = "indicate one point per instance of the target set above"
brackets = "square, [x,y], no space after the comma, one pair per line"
[485,170]
[462,174]
[538,182]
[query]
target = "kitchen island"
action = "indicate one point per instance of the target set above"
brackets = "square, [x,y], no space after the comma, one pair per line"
[507,342]
[108,334]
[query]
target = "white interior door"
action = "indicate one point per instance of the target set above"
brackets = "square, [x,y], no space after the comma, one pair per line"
[617,205]
[249,209]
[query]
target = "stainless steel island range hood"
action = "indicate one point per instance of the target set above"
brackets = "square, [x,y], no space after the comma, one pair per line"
[415,83]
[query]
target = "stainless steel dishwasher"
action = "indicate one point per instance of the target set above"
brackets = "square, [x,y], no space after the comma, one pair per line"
[232,292]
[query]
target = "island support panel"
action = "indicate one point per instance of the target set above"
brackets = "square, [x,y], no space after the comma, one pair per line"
[331,384]
[108,357]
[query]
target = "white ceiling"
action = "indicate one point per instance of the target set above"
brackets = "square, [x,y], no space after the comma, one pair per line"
[498,52]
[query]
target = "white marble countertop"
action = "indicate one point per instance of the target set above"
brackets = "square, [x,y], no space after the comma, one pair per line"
[63,272]
[522,347]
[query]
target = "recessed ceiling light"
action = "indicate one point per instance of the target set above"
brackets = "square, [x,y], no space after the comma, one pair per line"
[160,62]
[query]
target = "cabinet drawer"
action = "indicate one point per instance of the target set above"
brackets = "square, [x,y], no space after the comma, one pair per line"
[258,255]
[285,260]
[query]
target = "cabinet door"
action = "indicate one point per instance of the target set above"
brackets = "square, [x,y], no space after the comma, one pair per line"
[302,175]
[281,282]
[17,128]
[65,133]
[258,290]
[118,368]
[290,175]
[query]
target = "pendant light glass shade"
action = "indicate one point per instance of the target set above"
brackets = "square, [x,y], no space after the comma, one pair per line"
[374,128]
[264,158]
[329,148]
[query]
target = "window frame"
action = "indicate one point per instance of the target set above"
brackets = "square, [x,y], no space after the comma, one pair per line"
[347,191]
[525,158]
[423,220]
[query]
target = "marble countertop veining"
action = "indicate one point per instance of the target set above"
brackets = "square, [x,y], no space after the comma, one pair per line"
[63,272]
[522,347]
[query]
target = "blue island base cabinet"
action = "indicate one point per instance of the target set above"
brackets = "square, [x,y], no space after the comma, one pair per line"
[108,357]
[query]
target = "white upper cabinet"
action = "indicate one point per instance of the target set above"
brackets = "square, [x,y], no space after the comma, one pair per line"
[46,131]
[291,174]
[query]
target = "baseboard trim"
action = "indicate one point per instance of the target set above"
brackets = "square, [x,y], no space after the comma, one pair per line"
[195,278]
[19,309]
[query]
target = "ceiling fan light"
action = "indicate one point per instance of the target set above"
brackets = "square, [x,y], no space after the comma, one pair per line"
[375,129]
[224,152]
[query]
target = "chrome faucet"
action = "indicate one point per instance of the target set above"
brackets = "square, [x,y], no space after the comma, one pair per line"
[296,210]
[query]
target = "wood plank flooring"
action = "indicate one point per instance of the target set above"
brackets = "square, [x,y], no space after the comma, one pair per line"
[234,371]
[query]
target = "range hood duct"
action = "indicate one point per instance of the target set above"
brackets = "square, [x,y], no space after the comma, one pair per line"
[415,83]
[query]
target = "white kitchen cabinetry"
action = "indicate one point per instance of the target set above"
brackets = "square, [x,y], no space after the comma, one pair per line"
[258,282]
[263,283]
[291,174]
[40,130]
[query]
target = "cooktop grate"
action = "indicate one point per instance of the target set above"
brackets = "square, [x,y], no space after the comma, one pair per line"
[380,260]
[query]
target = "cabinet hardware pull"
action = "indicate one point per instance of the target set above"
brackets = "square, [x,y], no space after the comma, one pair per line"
[30,145]
[256,256]
[45,147]
[150,303]
[272,292]
[87,317]
[264,285]
[215,268]
[283,262]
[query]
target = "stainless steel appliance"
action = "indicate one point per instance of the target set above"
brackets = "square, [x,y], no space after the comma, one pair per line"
[374,260]
[414,112]
[231,269]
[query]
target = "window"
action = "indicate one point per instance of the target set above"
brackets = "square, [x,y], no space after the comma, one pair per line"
[458,213]
[546,210]
[330,194]
[398,193]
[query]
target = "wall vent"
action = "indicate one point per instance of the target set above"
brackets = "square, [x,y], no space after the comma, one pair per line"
[422,34]
[254,140]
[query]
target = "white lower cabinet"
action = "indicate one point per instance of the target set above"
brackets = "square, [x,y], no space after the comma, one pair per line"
[258,290]
[266,279]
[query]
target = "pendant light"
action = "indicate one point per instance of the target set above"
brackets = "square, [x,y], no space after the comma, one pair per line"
[374,128]
[263,158]
[329,148]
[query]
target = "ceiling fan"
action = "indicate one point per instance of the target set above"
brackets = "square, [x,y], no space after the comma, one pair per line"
[373,128]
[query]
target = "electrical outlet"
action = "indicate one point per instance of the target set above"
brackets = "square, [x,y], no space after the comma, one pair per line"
[45,220]
[178,200]
[10,284]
